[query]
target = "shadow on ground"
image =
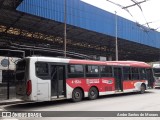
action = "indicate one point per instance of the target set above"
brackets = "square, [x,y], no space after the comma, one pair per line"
[37,105]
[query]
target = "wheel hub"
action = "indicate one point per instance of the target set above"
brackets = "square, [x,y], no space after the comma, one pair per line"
[92,93]
[77,95]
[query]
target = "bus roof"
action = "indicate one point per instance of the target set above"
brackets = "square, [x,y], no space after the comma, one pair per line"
[92,62]
[113,63]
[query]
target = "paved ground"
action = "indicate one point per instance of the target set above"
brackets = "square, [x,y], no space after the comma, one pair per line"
[150,101]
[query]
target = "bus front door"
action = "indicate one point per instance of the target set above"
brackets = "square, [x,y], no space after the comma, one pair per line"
[118,79]
[150,78]
[57,81]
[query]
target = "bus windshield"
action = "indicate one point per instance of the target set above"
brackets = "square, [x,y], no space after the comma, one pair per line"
[156,72]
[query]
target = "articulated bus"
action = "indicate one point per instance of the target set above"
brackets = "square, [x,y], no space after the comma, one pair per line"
[46,78]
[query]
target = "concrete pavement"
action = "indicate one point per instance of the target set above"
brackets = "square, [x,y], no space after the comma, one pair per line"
[10,101]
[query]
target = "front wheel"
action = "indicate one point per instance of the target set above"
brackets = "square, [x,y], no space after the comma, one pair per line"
[77,95]
[93,93]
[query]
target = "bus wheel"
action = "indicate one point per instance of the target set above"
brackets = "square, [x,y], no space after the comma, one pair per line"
[77,95]
[93,93]
[142,89]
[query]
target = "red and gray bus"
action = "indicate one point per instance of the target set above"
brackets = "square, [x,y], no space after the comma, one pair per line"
[51,78]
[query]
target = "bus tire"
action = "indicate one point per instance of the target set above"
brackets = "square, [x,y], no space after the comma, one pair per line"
[93,93]
[77,95]
[142,89]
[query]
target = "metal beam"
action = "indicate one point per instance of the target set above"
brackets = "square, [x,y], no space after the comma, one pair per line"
[1,3]
[12,24]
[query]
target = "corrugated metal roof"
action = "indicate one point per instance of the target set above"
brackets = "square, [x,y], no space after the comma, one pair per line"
[85,16]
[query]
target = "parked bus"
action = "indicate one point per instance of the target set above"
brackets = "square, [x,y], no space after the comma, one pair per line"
[157,77]
[156,69]
[46,78]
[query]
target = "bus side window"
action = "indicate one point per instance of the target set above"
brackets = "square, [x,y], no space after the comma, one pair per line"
[127,73]
[142,72]
[42,70]
[135,73]
[75,71]
[106,71]
[92,71]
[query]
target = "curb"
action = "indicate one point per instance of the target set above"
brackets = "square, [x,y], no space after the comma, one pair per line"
[10,102]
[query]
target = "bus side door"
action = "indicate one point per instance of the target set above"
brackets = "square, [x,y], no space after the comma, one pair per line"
[58,81]
[118,78]
[150,77]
